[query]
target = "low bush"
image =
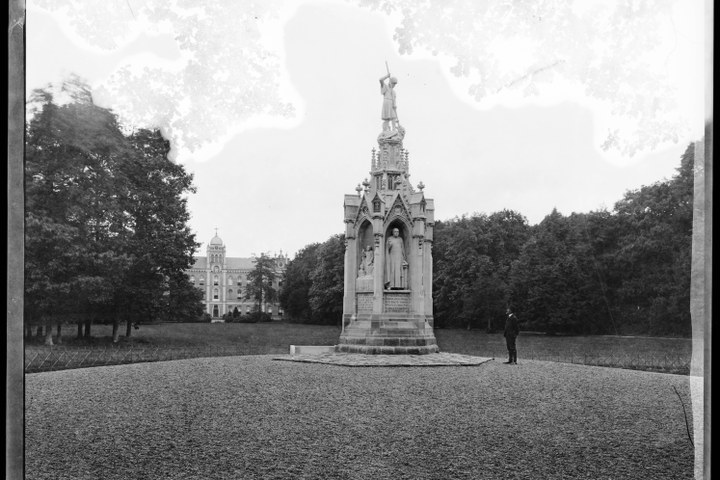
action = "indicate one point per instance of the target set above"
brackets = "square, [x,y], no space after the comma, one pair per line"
[255,317]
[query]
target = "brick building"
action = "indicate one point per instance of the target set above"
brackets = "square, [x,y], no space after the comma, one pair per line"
[223,281]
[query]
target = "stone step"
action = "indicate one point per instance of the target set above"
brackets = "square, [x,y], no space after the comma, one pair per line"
[311,349]
[382,333]
[387,350]
[389,342]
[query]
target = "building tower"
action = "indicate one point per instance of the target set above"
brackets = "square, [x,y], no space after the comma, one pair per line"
[387,304]
[216,274]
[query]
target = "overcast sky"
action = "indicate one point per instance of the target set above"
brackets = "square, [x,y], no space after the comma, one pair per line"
[278,184]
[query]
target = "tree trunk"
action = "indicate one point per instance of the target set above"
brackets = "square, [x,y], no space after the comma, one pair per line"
[48,333]
[59,332]
[88,325]
[116,329]
[80,329]
[128,328]
[39,333]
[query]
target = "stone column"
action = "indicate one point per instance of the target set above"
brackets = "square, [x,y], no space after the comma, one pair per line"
[417,303]
[427,281]
[350,274]
[378,274]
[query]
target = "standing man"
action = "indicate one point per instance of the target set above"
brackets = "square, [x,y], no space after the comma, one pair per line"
[512,330]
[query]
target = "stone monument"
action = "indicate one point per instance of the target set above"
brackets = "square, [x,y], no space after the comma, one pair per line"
[387,305]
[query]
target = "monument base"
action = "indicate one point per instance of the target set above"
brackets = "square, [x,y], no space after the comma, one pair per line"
[388,336]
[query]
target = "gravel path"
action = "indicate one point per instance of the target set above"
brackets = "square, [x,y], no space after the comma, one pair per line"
[257,418]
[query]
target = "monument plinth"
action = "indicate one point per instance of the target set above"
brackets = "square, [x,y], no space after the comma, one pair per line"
[387,305]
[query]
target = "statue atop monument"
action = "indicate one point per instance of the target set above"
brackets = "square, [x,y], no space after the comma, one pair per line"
[389,107]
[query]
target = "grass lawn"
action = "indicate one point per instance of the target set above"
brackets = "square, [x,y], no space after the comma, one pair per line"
[266,336]
[184,340]
[250,417]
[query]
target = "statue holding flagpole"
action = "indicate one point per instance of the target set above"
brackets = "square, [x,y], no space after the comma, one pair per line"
[389,109]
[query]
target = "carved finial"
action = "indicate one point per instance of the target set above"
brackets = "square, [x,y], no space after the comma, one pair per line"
[421,185]
[358,189]
[366,184]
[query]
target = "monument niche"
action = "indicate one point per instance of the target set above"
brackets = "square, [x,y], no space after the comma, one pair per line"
[387,305]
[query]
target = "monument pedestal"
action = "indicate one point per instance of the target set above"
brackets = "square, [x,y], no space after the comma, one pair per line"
[409,337]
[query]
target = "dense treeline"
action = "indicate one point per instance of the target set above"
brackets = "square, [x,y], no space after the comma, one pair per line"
[106,234]
[313,286]
[625,271]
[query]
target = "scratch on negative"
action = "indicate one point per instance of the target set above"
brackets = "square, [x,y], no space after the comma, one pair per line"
[530,74]
[18,22]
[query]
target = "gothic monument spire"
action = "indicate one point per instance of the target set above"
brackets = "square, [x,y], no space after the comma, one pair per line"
[387,306]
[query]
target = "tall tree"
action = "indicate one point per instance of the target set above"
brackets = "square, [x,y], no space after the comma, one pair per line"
[159,238]
[555,280]
[72,152]
[326,292]
[472,257]
[106,215]
[295,293]
[654,251]
[260,289]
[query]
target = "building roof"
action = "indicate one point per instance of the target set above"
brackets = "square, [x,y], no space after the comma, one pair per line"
[231,263]
[216,240]
[239,263]
[200,262]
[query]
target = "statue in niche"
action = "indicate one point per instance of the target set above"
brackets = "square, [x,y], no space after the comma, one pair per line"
[367,261]
[389,108]
[395,262]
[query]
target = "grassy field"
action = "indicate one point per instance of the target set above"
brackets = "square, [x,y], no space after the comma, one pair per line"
[174,341]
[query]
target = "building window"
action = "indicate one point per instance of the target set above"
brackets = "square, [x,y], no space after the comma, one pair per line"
[192,279]
[216,293]
[202,281]
[215,280]
[230,280]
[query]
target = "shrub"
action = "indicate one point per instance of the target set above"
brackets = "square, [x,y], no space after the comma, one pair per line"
[255,317]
